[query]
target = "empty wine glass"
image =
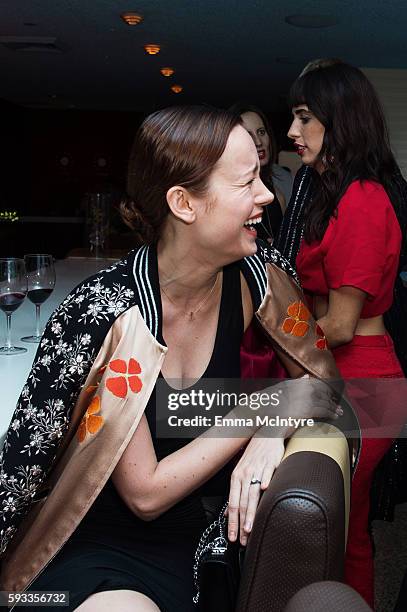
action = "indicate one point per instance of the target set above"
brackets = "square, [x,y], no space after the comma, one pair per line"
[41,282]
[13,289]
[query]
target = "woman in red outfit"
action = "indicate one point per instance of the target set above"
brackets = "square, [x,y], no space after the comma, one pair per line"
[349,254]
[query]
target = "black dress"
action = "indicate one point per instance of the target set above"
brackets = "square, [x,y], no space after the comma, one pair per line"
[113,549]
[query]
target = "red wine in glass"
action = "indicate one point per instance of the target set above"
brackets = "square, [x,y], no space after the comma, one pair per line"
[9,302]
[13,289]
[41,282]
[38,296]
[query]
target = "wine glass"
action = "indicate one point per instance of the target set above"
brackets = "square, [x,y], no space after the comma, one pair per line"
[13,289]
[41,282]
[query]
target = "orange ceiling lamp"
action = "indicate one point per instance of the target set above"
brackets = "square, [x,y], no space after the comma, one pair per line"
[177,89]
[131,18]
[167,71]
[152,49]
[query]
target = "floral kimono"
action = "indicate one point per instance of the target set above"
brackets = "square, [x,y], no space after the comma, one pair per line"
[91,379]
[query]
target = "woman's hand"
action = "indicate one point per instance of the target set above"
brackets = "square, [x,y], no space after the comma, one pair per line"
[299,398]
[309,397]
[261,457]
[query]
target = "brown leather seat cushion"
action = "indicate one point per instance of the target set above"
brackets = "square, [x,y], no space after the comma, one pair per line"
[298,536]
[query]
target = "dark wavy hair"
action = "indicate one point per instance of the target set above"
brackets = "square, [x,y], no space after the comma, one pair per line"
[175,146]
[356,143]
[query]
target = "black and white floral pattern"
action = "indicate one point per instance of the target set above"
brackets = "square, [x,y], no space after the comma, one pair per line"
[270,253]
[71,341]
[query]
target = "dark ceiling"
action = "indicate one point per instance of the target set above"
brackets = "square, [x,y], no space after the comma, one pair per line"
[222,50]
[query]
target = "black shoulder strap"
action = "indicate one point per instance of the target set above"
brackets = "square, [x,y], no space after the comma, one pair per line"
[289,237]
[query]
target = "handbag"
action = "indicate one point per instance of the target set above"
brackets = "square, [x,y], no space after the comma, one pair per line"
[217,568]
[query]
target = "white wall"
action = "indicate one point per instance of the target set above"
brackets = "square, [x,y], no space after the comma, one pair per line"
[391,85]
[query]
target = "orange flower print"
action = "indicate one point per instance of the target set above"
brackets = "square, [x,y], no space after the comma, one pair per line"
[91,422]
[296,323]
[320,342]
[118,384]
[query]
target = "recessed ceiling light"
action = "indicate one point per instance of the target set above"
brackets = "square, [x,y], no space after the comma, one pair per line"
[312,21]
[152,49]
[167,71]
[177,89]
[132,19]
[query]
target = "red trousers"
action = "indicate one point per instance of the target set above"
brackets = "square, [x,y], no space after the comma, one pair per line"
[365,357]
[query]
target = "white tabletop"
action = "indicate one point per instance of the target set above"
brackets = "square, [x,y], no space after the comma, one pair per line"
[14,369]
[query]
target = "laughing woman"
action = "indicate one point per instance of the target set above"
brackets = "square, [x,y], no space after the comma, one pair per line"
[116,520]
[349,256]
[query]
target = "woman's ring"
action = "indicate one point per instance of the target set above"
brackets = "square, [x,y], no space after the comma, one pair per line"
[255,481]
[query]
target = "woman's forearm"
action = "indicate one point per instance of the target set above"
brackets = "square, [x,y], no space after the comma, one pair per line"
[342,316]
[194,464]
[150,488]
[335,334]
[182,472]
